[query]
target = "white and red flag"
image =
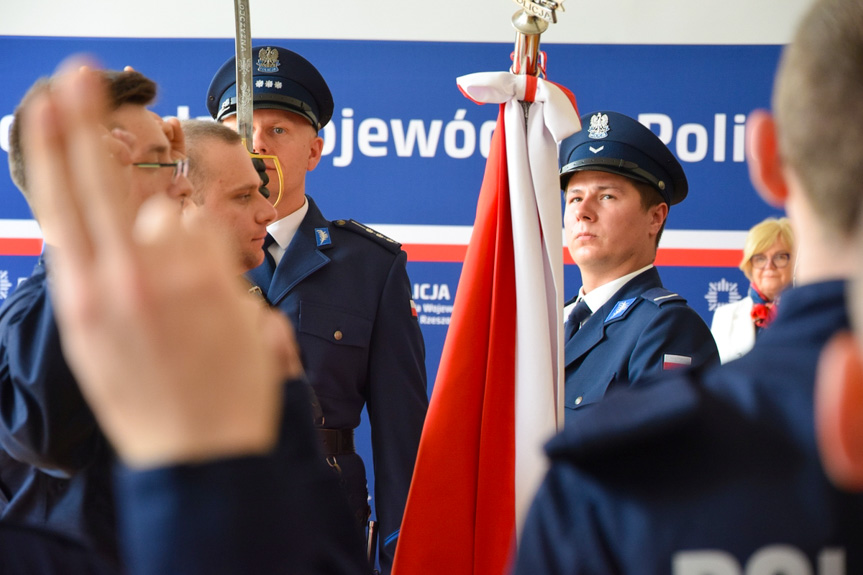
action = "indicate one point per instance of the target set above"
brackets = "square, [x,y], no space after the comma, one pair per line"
[497,397]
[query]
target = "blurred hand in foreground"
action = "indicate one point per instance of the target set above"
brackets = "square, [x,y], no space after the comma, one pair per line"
[178,363]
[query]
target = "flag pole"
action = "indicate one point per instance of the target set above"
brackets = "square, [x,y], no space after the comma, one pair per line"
[528,30]
[530,22]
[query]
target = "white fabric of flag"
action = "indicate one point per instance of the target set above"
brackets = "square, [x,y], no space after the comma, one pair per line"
[531,149]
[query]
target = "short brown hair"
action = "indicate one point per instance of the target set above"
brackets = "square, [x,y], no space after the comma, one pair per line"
[123,87]
[197,133]
[818,101]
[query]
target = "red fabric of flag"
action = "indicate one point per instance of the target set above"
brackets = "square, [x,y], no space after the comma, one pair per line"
[460,515]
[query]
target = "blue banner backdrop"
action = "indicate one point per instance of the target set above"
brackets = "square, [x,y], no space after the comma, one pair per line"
[405,150]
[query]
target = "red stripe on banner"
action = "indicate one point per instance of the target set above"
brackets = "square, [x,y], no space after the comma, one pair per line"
[435,252]
[704,258]
[699,258]
[20,246]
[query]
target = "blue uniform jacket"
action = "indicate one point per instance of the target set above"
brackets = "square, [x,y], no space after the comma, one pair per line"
[55,464]
[276,513]
[713,471]
[28,550]
[346,290]
[630,338]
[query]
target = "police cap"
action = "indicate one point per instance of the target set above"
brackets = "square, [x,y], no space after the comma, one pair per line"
[612,142]
[282,80]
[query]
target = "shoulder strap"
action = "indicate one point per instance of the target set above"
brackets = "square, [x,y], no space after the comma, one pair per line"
[367,232]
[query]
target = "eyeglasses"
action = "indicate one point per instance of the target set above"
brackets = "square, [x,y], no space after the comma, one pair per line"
[780,260]
[181,168]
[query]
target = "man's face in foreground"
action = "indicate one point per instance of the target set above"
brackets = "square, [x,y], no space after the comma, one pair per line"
[227,193]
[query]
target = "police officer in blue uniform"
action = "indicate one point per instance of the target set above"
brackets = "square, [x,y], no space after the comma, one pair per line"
[215,483]
[717,470]
[343,285]
[619,180]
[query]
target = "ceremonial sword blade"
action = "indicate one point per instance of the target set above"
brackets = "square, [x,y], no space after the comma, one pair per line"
[243,48]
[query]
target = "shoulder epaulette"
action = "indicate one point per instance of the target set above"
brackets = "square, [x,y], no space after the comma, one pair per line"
[660,296]
[365,231]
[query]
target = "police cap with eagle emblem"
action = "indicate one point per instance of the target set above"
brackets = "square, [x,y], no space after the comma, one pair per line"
[615,143]
[282,80]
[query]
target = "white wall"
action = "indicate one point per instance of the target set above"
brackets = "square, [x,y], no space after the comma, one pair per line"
[584,21]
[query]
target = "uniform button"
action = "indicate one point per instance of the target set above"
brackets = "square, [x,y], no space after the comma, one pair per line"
[338,335]
[579,399]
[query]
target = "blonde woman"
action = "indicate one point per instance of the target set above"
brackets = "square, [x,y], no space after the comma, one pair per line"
[768,265]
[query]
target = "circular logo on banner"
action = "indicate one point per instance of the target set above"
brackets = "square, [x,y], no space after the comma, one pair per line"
[5,284]
[721,293]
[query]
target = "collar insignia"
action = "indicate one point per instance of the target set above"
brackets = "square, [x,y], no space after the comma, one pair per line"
[268,60]
[619,308]
[322,236]
[598,126]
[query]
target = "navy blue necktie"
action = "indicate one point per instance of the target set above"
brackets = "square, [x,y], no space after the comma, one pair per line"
[269,260]
[578,314]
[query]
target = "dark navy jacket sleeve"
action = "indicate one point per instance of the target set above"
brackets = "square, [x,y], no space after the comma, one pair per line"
[281,513]
[44,420]
[551,545]
[26,550]
[397,402]
[566,531]
[55,464]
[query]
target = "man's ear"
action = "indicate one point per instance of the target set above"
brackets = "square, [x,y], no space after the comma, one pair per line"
[762,155]
[839,411]
[658,214]
[315,150]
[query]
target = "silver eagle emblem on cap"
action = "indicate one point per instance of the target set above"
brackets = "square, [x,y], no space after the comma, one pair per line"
[598,126]
[268,59]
